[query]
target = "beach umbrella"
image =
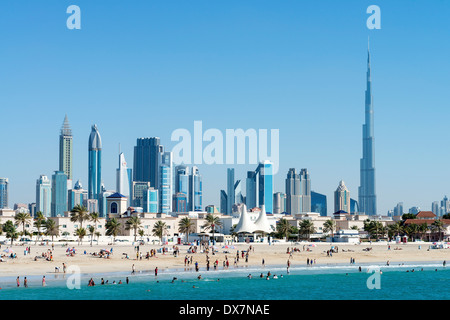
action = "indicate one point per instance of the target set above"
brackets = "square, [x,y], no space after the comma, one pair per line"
[8,250]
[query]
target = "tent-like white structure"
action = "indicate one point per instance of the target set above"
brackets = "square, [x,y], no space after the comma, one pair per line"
[245,225]
[262,224]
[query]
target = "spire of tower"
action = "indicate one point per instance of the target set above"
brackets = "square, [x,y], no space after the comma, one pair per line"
[65,129]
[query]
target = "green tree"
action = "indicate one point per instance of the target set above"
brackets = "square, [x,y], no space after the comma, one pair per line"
[211,223]
[22,218]
[95,218]
[91,230]
[186,226]
[80,233]
[423,228]
[133,223]
[79,214]
[51,228]
[39,221]
[284,228]
[10,229]
[159,229]
[437,225]
[306,228]
[374,228]
[406,216]
[329,226]
[113,228]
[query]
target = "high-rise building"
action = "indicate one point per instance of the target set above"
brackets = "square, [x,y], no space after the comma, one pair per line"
[414,210]
[123,178]
[147,154]
[66,151]
[342,198]
[139,188]
[279,202]
[59,194]
[367,198]
[165,158]
[265,185]
[250,191]
[151,200]
[76,196]
[238,197]
[165,198]
[182,179]
[230,190]
[319,203]
[95,164]
[398,210]
[180,202]
[298,191]
[223,202]
[435,208]
[4,182]
[44,195]
[445,206]
[195,190]
[354,206]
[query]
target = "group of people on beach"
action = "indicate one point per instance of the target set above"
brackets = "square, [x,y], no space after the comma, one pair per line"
[25,282]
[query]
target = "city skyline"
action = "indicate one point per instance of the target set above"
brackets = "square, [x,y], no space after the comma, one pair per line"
[317,77]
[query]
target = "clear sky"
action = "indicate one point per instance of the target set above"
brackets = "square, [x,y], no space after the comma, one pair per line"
[146,68]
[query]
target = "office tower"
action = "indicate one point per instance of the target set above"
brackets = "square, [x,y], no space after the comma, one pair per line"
[445,206]
[66,151]
[250,191]
[165,158]
[44,195]
[354,206]
[180,202]
[342,198]
[59,194]
[279,202]
[414,210]
[398,210]
[123,177]
[435,208]
[367,198]
[32,209]
[223,202]
[195,190]
[151,200]
[76,196]
[319,203]
[147,153]
[103,201]
[139,187]
[95,164]
[265,185]
[182,179]
[238,198]
[164,189]
[298,191]
[4,193]
[230,190]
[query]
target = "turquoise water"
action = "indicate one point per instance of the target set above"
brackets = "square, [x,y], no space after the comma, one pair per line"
[304,283]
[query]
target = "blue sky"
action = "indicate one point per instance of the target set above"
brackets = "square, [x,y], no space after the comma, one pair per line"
[146,68]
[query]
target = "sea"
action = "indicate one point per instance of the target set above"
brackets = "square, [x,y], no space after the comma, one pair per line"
[398,281]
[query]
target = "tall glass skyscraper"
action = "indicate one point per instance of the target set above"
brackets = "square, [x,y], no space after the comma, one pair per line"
[298,191]
[319,203]
[59,194]
[195,190]
[250,190]
[44,195]
[66,150]
[265,185]
[151,200]
[123,178]
[367,198]
[4,193]
[95,164]
[230,190]
[164,189]
[147,155]
[342,198]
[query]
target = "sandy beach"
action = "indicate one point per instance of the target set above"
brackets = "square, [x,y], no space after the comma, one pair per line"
[27,265]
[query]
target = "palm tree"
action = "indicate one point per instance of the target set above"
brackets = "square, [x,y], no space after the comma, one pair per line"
[113,228]
[133,223]
[159,229]
[91,232]
[396,228]
[423,228]
[284,228]
[329,226]
[21,219]
[51,228]
[373,228]
[412,229]
[39,221]
[80,233]
[141,233]
[95,218]
[186,226]
[211,223]
[98,234]
[437,225]
[307,228]
[79,213]
[354,227]
[10,230]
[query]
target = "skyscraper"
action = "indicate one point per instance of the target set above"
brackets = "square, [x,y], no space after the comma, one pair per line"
[59,194]
[165,158]
[95,164]
[195,190]
[319,203]
[298,191]
[342,198]
[230,190]
[367,198]
[76,196]
[147,153]
[279,202]
[4,193]
[250,191]
[151,200]
[165,197]
[223,202]
[265,185]
[398,209]
[123,178]
[66,150]
[44,195]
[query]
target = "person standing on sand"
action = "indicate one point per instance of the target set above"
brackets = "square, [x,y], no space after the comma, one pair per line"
[133,270]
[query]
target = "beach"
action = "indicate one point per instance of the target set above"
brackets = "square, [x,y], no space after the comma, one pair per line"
[36,262]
